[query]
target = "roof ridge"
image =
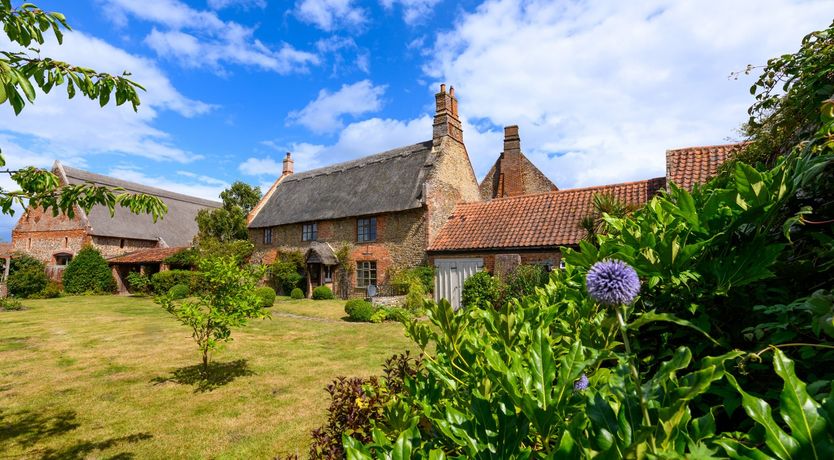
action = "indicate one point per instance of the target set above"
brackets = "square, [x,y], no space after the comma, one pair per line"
[136,187]
[358,162]
[564,191]
[732,144]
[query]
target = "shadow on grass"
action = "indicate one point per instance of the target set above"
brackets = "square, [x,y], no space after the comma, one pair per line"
[82,449]
[27,428]
[219,374]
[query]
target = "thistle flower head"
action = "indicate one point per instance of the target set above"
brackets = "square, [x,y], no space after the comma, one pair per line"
[612,282]
[581,383]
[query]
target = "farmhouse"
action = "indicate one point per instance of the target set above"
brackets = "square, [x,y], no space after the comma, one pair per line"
[378,213]
[56,239]
[500,234]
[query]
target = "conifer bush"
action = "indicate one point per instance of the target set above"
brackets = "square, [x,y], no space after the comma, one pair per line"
[88,272]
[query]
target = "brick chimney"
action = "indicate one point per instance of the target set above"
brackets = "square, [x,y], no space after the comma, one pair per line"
[287,165]
[512,176]
[446,121]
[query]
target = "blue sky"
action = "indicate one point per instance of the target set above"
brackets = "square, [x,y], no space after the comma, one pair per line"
[600,89]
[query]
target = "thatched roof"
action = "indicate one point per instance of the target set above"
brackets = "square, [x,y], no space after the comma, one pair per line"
[321,253]
[176,228]
[386,182]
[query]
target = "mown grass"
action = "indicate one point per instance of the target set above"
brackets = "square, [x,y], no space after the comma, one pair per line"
[116,377]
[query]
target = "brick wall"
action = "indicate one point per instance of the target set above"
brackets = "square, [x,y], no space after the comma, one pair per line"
[452,181]
[527,257]
[42,235]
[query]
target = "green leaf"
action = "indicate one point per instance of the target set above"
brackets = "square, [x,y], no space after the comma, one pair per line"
[800,412]
[782,445]
[402,446]
[652,316]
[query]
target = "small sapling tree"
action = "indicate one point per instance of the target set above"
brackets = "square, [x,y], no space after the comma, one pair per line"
[228,300]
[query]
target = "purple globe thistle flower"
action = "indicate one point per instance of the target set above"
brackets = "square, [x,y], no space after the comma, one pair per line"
[612,282]
[581,384]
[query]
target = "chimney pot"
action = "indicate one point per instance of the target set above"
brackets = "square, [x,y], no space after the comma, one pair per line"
[446,121]
[452,91]
[443,87]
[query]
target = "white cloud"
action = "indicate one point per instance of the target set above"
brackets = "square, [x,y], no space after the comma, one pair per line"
[329,15]
[197,38]
[79,127]
[260,167]
[414,11]
[245,4]
[324,115]
[601,89]
[200,186]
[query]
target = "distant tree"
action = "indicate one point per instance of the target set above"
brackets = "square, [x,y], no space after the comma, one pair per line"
[228,223]
[229,300]
[24,69]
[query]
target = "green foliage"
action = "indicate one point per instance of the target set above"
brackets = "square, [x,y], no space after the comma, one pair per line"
[162,282]
[322,293]
[297,294]
[228,301]
[355,402]
[266,295]
[415,299]
[21,71]
[481,290]
[51,291]
[27,276]
[379,316]
[10,304]
[185,259]
[359,310]
[139,283]
[239,250]
[179,291]
[523,280]
[287,271]
[228,223]
[88,272]
[423,275]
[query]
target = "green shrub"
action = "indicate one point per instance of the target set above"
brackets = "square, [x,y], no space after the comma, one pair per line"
[162,282]
[523,280]
[139,282]
[322,293]
[184,259]
[88,272]
[359,310]
[10,304]
[267,296]
[415,299]
[27,276]
[379,316]
[297,294]
[51,291]
[286,271]
[480,290]
[405,279]
[179,291]
[400,315]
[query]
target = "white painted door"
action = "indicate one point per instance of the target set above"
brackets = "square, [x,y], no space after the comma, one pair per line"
[450,275]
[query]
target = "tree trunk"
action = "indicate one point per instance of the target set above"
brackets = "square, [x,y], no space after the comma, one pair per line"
[205,363]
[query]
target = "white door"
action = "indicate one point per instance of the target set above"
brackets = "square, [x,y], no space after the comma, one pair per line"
[450,274]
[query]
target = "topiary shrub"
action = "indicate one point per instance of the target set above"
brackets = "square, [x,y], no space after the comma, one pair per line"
[88,272]
[359,310]
[162,282]
[266,295]
[480,290]
[297,294]
[322,293]
[179,291]
[27,276]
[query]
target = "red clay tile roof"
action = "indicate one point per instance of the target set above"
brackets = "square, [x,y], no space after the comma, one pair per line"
[151,255]
[696,165]
[541,220]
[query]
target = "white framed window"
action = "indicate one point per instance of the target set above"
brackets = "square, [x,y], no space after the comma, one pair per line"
[365,273]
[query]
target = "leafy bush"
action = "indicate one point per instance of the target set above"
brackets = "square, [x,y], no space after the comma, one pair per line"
[359,310]
[27,276]
[287,271]
[415,299]
[400,315]
[297,294]
[184,259]
[379,316]
[162,282]
[480,290]
[179,291]
[51,291]
[267,296]
[322,293]
[424,275]
[355,402]
[139,282]
[10,304]
[523,280]
[88,272]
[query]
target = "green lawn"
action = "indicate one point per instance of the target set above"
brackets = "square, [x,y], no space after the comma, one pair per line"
[114,377]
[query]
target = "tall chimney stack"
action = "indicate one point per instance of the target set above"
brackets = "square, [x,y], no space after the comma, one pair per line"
[511,164]
[287,165]
[446,121]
